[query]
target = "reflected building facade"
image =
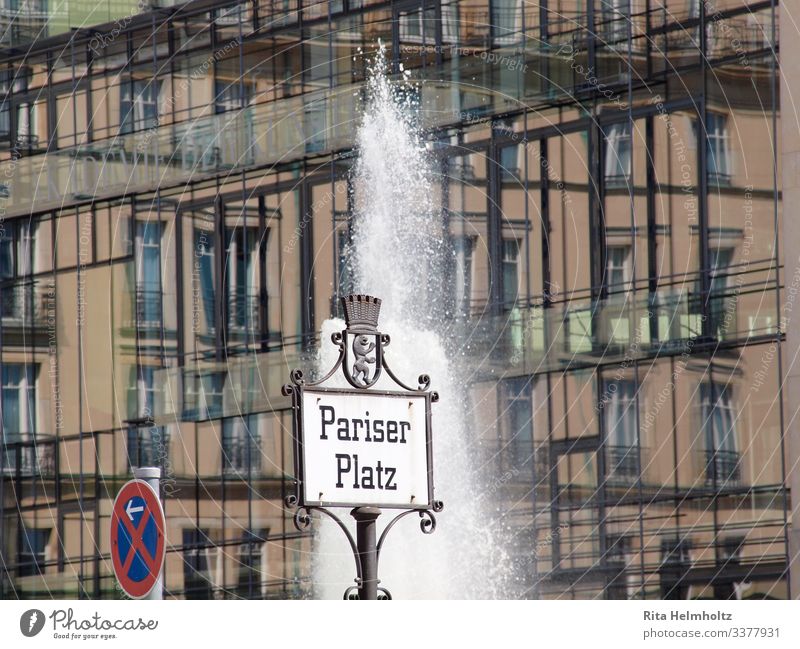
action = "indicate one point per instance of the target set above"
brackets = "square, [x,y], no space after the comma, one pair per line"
[176,217]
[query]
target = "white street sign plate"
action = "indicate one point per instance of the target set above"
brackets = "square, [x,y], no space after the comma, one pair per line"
[365,448]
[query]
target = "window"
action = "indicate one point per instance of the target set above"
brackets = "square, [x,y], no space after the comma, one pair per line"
[416,25]
[675,562]
[204,276]
[506,21]
[618,267]
[32,551]
[27,116]
[138,104]
[509,163]
[718,429]
[232,95]
[211,395]
[719,265]
[621,430]
[241,445]
[462,248]
[619,553]
[615,20]
[718,155]
[344,268]
[618,154]
[519,413]
[148,444]
[197,560]
[241,268]
[18,250]
[19,400]
[510,264]
[251,580]
[148,274]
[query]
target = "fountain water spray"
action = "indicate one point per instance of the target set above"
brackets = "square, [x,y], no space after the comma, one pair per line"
[399,255]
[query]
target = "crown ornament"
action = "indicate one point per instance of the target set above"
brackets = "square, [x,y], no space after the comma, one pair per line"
[361,311]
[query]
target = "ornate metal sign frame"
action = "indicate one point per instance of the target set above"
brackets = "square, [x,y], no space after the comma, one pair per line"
[362,362]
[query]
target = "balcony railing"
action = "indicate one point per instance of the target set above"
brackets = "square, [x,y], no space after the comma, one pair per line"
[149,305]
[723,468]
[241,456]
[622,464]
[30,458]
[24,304]
[243,311]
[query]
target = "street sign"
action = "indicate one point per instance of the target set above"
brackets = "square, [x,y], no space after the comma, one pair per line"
[138,538]
[361,447]
[366,448]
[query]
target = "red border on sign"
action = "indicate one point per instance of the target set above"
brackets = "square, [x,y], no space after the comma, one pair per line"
[138,589]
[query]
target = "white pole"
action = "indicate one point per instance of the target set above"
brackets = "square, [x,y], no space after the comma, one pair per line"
[152,476]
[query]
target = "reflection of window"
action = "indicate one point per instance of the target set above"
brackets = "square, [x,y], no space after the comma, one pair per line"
[718,429]
[241,268]
[619,550]
[316,121]
[506,20]
[241,445]
[618,153]
[510,264]
[615,22]
[719,265]
[509,163]
[675,561]
[618,267]
[463,247]
[138,104]
[204,398]
[32,550]
[729,550]
[19,400]
[345,271]
[18,250]
[251,576]
[148,273]
[211,394]
[15,82]
[718,155]
[675,552]
[621,432]
[232,95]
[148,444]
[416,25]
[519,412]
[197,563]
[203,280]
[27,115]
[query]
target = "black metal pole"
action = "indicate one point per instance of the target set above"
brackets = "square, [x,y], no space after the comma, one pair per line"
[366,542]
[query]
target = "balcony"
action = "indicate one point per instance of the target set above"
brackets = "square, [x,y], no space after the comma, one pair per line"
[30,458]
[25,304]
[623,465]
[722,468]
[149,304]
[243,311]
[241,456]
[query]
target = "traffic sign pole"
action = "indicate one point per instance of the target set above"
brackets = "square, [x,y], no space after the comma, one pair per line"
[152,476]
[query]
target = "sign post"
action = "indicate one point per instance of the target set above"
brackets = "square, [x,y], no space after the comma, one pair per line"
[362,448]
[138,536]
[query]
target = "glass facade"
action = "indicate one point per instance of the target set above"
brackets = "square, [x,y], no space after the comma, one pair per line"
[176,215]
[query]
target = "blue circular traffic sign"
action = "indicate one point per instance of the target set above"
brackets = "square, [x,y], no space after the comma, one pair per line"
[138,538]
